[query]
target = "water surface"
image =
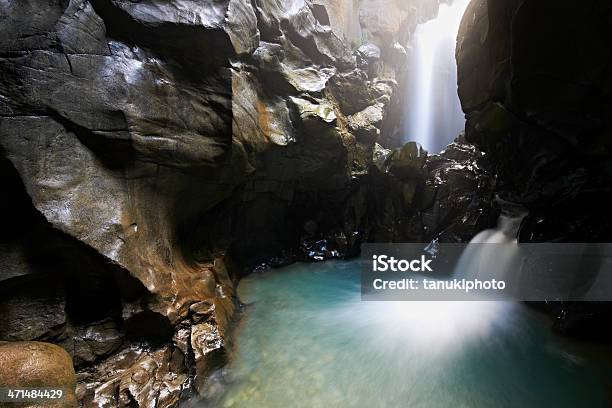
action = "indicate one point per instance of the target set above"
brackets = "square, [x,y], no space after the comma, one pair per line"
[307,340]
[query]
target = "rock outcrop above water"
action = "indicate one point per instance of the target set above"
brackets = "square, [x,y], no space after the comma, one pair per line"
[154,151]
[534,81]
[409,195]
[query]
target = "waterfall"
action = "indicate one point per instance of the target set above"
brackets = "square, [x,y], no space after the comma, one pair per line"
[493,253]
[433,115]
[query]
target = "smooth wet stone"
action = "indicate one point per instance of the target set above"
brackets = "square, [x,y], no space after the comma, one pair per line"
[208,350]
[312,112]
[38,365]
[126,377]
[311,79]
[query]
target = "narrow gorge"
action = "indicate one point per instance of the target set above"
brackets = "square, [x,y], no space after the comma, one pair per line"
[188,183]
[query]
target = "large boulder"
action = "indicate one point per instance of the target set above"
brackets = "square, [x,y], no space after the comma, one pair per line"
[38,365]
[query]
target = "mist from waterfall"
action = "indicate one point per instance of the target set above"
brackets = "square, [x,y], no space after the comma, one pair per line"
[433,115]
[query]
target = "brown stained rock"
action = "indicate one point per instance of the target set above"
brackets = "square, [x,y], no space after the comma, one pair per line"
[102,206]
[152,379]
[208,350]
[37,364]
[157,378]
[259,122]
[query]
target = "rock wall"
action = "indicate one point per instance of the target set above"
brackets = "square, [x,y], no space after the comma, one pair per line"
[154,151]
[535,80]
[535,84]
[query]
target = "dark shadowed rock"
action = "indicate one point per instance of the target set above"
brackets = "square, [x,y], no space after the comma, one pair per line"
[208,349]
[409,161]
[209,31]
[32,309]
[537,98]
[351,91]
[534,82]
[88,344]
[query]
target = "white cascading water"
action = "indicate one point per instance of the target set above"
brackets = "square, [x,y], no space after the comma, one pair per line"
[494,253]
[441,324]
[433,115]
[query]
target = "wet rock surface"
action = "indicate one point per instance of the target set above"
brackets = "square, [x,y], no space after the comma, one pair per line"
[406,195]
[535,84]
[152,152]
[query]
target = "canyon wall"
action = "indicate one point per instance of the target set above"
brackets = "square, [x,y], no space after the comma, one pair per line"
[154,151]
[535,80]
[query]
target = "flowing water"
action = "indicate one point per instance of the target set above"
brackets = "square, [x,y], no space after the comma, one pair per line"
[433,115]
[307,340]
